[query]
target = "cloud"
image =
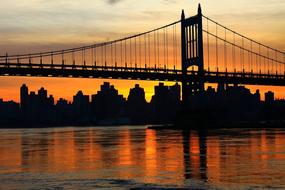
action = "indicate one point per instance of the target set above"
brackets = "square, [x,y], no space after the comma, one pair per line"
[112,2]
[170,1]
[270,15]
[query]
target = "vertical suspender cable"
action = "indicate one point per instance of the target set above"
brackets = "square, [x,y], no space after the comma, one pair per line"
[158,47]
[135,52]
[242,68]
[259,58]
[61,54]
[111,57]
[256,61]
[217,49]
[251,55]
[41,60]
[145,49]
[248,60]
[167,48]
[105,52]
[242,55]
[140,50]
[208,46]
[95,56]
[6,58]
[115,55]
[149,50]
[276,63]
[234,58]
[131,52]
[82,59]
[102,56]
[164,53]
[225,50]
[73,60]
[173,48]
[271,64]
[154,41]
[283,64]
[92,55]
[121,50]
[126,53]
[51,59]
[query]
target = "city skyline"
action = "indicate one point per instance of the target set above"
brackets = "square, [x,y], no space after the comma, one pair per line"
[39,26]
[107,106]
[226,103]
[58,97]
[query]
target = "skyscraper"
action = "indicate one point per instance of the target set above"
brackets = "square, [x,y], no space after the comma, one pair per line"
[137,105]
[24,93]
[269,97]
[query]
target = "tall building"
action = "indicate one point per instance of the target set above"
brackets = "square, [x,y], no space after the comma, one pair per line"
[137,107]
[269,97]
[137,94]
[175,92]
[9,112]
[107,103]
[24,94]
[165,102]
[81,105]
[221,88]
[42,93]
[257,96]
[36,108]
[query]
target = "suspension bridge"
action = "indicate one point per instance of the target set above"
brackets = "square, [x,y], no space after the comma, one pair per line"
[193,51]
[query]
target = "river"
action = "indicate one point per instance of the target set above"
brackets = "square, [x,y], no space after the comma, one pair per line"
[134,157]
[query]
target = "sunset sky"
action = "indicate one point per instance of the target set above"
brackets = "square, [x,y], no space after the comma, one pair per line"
[40,25]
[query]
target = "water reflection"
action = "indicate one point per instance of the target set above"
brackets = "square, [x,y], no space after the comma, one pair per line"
[220,158]
[150,154]
[195,154]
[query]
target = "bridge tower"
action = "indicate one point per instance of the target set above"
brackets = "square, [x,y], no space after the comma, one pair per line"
[192,54]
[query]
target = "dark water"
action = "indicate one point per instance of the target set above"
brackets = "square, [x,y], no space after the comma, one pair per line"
[126,158]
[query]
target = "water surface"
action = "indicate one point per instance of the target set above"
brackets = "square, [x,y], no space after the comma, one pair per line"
[135,157]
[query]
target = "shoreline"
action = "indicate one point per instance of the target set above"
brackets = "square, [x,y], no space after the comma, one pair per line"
[190,126]
[225,125]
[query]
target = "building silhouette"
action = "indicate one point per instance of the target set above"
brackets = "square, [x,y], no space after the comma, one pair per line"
[81,107]
[138,109]
[24,94]
[9,112]
[107,105]
[165,103]
[227,103]
[269,97]
[36,108]
[64,112]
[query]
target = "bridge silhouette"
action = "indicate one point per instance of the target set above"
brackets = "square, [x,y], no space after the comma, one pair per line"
[193,51]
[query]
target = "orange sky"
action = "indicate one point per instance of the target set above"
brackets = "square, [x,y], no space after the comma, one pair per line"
[32,26]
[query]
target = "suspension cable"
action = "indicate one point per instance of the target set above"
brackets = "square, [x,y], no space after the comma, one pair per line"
[241,35]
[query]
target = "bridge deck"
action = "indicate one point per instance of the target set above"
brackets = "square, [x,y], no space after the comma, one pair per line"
[132,73]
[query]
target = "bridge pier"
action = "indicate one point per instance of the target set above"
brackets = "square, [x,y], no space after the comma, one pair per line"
[192,55]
